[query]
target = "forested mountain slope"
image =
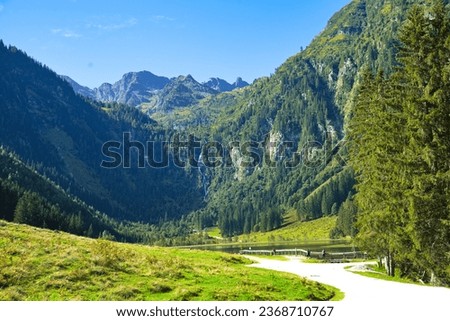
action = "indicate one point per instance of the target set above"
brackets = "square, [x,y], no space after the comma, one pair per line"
[304,106]
[61,135]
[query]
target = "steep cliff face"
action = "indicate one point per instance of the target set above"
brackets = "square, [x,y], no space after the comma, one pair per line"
[304,106]
[362,35]
[134,88]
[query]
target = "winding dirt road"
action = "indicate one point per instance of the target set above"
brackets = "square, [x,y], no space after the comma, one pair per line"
[368,298]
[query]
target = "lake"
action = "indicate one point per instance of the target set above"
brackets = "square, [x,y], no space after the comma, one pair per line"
[328,245]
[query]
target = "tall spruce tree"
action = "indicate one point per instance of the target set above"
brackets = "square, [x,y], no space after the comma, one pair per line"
[29,209]
[424,77]
[400,150]
[376,138]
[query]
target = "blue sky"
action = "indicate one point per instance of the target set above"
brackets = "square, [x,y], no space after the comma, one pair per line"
[98,41]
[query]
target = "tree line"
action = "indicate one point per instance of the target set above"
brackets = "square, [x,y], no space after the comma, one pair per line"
[399,137]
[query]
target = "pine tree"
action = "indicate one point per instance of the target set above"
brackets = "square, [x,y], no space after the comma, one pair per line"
[90,231]
[425,57]
[375,147]
[334,209]
[29,210]
[400,150]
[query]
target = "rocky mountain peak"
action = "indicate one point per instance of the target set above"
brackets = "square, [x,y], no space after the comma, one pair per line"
[136,88]
[239,83]
[222,85]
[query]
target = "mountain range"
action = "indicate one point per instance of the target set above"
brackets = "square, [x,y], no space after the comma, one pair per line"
[136,88]
[297,116]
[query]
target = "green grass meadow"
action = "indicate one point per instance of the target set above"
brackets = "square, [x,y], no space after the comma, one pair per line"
[42,265]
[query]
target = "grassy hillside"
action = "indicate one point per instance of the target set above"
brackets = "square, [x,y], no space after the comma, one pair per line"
[292,230]
[37,264]
[313,230]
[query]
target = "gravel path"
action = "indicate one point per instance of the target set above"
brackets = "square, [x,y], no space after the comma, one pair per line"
[368,298]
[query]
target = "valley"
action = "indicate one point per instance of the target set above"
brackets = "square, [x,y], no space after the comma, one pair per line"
[346,143]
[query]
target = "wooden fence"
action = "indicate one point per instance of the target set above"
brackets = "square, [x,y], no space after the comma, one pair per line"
[313,254]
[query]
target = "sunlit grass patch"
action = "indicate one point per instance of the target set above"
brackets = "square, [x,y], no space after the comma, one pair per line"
[38,264]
